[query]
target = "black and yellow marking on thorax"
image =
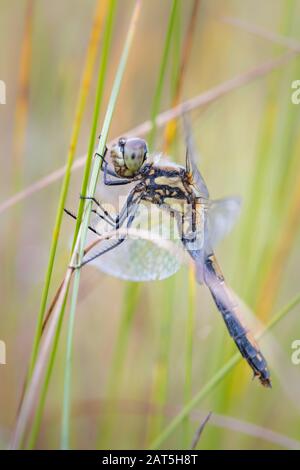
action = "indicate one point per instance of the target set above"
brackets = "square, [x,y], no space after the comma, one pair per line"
[164,186]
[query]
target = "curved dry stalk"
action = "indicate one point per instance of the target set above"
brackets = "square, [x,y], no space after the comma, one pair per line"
[31,392]
[276,38]
[277,358]
[254,321]
[219,376]
[250,429]
[91,407]
[167,245]
[267,434]
[86,79]
[89,185]
[163,118]
[199,431]
[52,320]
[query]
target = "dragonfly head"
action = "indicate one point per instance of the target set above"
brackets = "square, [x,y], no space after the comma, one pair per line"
[128,156]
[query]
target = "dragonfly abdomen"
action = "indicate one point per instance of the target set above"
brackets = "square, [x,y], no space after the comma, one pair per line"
[245,342]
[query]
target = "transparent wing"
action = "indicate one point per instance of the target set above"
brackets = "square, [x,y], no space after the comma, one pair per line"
[191,158]
[212,226]
[138,260]
[222,216]
[151,251]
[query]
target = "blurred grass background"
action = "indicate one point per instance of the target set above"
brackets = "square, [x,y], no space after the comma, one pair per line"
[132,345]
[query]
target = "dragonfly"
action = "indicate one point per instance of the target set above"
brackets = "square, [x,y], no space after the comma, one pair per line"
[179,191]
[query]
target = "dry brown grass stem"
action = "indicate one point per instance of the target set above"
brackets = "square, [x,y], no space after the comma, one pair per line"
[162,119]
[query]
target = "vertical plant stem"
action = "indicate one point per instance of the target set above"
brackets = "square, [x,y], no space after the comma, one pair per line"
[170,130]
[176,51]
[21,114]
[93,183]
[81,102]
[131,297]
[44,389]
[218,377]
[263,214]
[14,228]
[99,96]
[161,366]
[169,146]
[160,373]
[162,72]
[272,164]
[190,327]
[267,292]
[66,409]
[31,393]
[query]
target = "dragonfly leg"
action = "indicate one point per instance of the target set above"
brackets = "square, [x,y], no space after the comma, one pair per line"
[194,214]
[178,216]
[191,236]
[187,161]
[114,222]
[120,218]
[106,219]
[108,171]
[113,245]
[109,182]
[102,156]
[128,213]
[98,204]
[75,217]
[102,252]
[188,236]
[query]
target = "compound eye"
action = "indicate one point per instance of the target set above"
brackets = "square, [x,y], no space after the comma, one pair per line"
[135,152]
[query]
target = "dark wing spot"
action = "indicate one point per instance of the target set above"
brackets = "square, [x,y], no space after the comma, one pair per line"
[132,156]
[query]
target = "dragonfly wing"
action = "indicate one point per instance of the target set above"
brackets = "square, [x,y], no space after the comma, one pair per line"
[192,158]
[138,260]
[147,253]
[222,216]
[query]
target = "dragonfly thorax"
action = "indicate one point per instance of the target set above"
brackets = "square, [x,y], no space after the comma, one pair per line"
[128,156]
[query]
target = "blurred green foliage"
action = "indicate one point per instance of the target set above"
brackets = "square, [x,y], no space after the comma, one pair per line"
[249,144]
